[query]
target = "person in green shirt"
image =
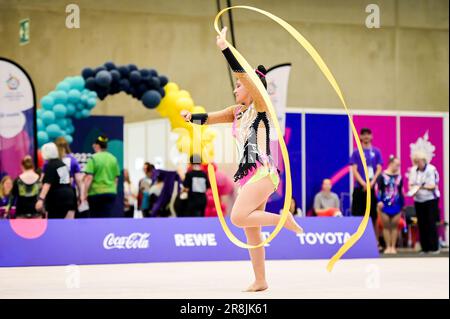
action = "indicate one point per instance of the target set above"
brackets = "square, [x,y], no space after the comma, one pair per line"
[102,173]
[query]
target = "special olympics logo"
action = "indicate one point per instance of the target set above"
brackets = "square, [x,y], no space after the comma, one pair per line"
[12,82]
[133,241]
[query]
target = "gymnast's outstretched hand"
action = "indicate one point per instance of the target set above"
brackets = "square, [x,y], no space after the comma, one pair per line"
[220,39]
[186,115]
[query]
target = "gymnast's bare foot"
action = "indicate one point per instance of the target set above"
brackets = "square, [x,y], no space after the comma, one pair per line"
[291,224]
[257,286]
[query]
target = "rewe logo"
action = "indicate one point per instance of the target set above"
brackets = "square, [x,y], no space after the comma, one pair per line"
[133,241]
[208,239]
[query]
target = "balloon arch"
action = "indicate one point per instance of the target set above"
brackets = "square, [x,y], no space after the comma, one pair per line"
[75,97]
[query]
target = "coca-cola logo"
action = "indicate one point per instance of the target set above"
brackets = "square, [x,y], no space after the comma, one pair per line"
[132,241]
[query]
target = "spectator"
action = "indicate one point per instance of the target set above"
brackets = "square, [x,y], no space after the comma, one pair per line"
[294,209]
[423,185]
[154,192]
[144,186]
[326,203]
[25,191]
[57,194]
[102,173]
[129,195]
[374,166]
[391,200]
[195,184]
[6,185]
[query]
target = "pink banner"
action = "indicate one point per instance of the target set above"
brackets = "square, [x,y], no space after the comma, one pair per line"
[383,131]
[427,131]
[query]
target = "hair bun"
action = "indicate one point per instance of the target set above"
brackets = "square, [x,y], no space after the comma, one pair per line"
[262,69]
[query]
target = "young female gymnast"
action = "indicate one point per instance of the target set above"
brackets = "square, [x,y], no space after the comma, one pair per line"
[257,174]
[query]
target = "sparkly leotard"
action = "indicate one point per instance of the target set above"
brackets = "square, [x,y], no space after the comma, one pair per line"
[251,128]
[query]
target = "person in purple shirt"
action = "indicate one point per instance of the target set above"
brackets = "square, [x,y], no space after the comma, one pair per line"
[374,165]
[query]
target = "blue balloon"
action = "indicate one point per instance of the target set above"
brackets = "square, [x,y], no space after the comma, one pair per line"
[153,72]
[62,123]
[91,102]
[135,77]
[48,117]
[103,78]
[87,73]
[100,68]
[78,115]
[73,96]
[85,113]
[91,84]
[47,102]
[92,94]
[145,73]
[40,125]
[79,107]
[124,85]
[42,138]
[68,138]
[39,112]
[163,80]
[162,92]
[63,86]
[77,83]
[53,131]
[115,75]
[124,71]
[60,97]
[110,65]
[60,111]
[156,81]
[132,67]
[70,109]
[151,99]
[83,99]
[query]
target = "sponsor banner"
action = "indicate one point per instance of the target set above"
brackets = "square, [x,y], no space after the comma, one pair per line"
[17,117]
[115,240]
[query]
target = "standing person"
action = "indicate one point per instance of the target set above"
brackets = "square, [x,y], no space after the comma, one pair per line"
[25,191]
[57,194]
[144,186]
[257,174]
[6,186]
[195,184]
[374,166]
[76,176]
[129,195]
[423,185]
[326,203]
[100,183]
[391,201]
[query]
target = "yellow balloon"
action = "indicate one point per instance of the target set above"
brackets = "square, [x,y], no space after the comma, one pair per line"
[184,93]
[171,87]
[198,109]
[184,103]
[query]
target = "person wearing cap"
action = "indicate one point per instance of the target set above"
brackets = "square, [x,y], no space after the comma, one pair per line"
[374,162]
[196,184]
[102,173]
[423,182]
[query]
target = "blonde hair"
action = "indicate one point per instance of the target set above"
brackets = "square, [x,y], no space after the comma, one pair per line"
[2,183]
[50,151]
[63,146]
[420,155]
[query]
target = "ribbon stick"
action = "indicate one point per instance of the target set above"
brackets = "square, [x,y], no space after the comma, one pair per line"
[329,76]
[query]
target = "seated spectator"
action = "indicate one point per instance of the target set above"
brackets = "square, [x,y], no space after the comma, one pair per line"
[326,203]
[195,184]
[390,196]
[294,209]
[25,192]
[6,185]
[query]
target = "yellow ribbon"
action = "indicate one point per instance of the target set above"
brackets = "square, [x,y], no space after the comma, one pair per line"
[324,68]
